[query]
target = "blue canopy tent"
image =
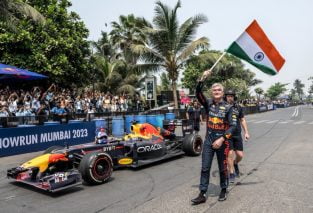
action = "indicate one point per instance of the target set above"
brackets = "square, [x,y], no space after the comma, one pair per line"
[8,72]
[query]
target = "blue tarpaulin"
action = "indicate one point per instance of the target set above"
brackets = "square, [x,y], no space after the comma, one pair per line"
[10,72]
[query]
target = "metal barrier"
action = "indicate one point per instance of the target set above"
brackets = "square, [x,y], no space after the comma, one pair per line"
[40,120]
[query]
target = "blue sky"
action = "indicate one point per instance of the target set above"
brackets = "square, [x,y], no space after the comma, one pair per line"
[288,23]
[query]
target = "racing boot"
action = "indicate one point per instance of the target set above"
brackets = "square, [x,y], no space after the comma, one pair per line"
[200,199]
[223,195]
[237,172]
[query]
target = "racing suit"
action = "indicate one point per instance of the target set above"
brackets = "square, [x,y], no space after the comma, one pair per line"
[221,122]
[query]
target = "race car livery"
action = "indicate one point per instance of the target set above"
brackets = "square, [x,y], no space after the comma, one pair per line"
[59,168]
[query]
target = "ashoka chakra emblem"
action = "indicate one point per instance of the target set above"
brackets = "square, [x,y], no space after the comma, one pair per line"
[259,56]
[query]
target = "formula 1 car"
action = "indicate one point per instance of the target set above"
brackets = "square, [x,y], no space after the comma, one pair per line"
[59,168]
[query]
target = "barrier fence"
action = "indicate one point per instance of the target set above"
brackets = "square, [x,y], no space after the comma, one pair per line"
[35,133]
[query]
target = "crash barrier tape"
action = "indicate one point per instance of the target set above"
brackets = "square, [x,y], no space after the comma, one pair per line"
[30,139]
[118,126]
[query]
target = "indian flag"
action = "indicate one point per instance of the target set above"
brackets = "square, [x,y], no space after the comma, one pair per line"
[254,47]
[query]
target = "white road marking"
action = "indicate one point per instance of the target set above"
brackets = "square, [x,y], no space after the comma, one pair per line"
[285,122]
[258,122]
[299,122]
[270,122]
[310,123]
[296,112]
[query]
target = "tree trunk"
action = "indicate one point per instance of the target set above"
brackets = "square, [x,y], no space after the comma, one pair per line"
[174,87]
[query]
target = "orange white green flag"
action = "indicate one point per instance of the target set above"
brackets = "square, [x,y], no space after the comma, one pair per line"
[254,47]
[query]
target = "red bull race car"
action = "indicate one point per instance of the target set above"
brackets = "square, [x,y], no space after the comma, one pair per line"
[59,168]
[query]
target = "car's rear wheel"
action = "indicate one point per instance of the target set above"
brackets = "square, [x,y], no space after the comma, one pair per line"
[96,167]
[192,144]
[51,149]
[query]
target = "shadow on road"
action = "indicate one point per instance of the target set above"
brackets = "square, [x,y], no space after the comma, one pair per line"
[247,183]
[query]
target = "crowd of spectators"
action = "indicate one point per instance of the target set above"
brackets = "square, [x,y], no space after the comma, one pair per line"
[59,101]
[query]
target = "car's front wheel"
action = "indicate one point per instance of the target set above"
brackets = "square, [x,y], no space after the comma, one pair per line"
[192,144]
[96,167]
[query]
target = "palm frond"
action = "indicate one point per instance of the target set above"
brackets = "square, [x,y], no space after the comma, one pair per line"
[147,54]
[202,42]
[188,29]
[147,68]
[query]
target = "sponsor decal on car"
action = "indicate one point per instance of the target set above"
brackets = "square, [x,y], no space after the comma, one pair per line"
[125,161]
[60,177]
[149,148]
[108,148]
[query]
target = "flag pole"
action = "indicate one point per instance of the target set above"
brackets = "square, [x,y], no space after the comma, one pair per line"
[218,60]
[208,72]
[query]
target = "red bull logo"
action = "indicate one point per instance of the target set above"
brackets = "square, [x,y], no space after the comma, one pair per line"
[216,120]
[217,123]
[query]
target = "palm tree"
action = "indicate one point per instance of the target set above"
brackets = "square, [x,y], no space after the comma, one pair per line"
[259,91]
[104,47]
[170,44]
[127,32]
[298,85]
[12,11]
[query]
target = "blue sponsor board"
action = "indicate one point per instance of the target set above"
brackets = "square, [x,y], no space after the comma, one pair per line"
[30,139]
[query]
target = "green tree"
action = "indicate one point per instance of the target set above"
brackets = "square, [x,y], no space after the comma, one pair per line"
[259,91]
[298,86]
[229,67]
[104,47]
[170,44]
[292,94]
[11,11]
[127,32]
[275,90]
[59,48]
[239,86]
[310,91]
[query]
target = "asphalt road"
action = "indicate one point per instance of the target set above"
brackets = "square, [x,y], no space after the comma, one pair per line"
[277,177]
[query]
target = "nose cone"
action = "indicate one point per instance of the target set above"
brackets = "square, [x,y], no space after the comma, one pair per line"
[41,162]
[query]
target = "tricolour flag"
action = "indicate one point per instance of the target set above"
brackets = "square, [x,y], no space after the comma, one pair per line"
[254,47]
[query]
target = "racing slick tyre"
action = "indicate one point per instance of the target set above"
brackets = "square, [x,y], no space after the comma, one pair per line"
[52,148]
[96,167]
[192,145]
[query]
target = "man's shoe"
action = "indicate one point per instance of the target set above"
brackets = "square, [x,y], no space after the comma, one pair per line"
[223,195]
[200,199]
[231,178]
[237,172]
